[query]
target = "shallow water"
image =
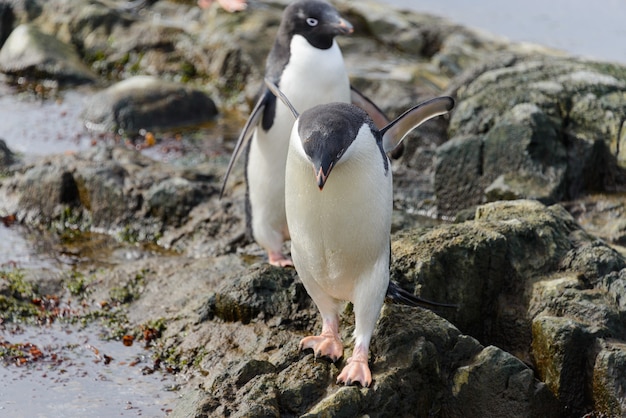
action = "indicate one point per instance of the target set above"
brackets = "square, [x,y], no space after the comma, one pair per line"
[80,375]
[35,126]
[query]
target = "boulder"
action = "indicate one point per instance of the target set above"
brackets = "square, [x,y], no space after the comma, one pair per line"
[528,280]
[30,53]
[148,103]
[537,127]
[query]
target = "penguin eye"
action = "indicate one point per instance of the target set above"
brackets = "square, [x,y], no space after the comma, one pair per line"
[311,21]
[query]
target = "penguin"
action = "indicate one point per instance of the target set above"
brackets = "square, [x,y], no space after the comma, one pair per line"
[338,202]
[306,63]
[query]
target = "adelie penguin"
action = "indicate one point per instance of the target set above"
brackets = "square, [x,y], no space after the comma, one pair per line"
[306,63]
[338,204]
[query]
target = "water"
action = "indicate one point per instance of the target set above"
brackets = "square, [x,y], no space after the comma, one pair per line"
[590,29]
[34,127]
[79,375]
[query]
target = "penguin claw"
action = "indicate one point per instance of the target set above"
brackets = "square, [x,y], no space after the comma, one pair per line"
[323,346]
[356,371]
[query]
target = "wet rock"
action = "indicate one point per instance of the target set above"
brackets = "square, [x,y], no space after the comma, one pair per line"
[545,128]
[112,190]
[148,103]
[45,192]
[30,53]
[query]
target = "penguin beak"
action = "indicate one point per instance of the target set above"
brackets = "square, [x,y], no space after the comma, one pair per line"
[322,170]
[344,27]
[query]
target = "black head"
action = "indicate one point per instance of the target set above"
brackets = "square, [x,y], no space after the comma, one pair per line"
[316,20]
[326,132]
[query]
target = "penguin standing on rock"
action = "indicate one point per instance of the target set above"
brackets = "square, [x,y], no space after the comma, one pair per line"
[339,199]
[306,63]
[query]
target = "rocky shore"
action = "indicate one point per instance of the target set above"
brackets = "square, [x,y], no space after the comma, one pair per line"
[513,208]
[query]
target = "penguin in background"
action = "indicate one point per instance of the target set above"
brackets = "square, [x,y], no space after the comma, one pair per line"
[306,63]
[339,198]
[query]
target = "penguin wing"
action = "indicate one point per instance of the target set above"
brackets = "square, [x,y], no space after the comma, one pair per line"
[394,133]
[246,132]
[378,116]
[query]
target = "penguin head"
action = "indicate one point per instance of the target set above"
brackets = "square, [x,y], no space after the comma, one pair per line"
[316,20]
[327,133]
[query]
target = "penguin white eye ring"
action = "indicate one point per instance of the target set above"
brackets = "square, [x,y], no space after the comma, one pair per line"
[311,21]
[341,229]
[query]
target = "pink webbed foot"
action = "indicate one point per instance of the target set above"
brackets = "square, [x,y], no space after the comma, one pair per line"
[324,346]
[279,259]
[357,370]
[228,5]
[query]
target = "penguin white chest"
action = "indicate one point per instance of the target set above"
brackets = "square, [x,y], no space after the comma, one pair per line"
[314,76]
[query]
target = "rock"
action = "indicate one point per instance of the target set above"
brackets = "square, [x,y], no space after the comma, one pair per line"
[521,114]
[463,264]
[496,383]
[263,290]
[148,103]
[107,190]
[603,215]
[33,54]
[45,192]
[6,156]
[556,289]
[460,159]
[561,348]
[609,384]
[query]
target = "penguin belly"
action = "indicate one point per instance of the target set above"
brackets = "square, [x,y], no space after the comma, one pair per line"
[313,76]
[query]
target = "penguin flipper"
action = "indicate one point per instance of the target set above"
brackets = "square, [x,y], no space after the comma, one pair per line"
[396,294]
[378,116]
[394,133]
[246,134]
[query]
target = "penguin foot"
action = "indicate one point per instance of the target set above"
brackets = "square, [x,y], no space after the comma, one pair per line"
[356,372]
[228,5]
[323,346]
[279,259]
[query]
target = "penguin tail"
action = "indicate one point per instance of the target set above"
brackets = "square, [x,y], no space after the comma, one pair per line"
[397,295]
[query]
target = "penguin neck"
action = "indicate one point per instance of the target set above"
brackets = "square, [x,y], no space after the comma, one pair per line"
[314,76]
